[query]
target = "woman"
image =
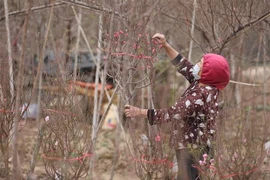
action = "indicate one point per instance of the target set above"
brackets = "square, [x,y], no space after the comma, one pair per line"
[194,114]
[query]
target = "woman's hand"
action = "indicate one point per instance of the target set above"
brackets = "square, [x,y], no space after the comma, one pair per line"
[171,52]
[160,38]
[132,111]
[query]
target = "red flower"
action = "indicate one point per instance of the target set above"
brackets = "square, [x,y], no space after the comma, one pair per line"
[157,138]
[116,34]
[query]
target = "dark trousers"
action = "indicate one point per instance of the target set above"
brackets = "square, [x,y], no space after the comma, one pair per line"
[185,160]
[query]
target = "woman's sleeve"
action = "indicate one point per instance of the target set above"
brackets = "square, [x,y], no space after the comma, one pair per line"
[184,67]
[188,106]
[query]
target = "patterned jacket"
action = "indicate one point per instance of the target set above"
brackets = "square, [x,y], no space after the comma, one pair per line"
[193,115]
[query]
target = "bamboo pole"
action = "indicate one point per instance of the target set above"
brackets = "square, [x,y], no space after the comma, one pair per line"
[96,112]
[192,29]
[192,33]
[77,45]
[264,39]
[11,82]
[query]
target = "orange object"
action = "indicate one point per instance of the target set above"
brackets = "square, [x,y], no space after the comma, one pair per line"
[90,85]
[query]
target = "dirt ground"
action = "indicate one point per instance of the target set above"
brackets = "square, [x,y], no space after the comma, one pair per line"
[104,150]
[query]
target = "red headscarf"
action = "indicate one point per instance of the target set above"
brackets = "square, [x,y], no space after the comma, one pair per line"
[215,71]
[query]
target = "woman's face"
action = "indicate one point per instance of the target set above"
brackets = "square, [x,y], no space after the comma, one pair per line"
[200,64]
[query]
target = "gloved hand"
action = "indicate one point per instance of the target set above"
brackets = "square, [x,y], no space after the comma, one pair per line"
[132,111]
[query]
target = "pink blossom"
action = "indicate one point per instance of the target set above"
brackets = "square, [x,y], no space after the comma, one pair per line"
[126,34]
[153,50]
[121,32]
[47,118]
[202,163]
[124,42]
[155,42]
[205,157]
[140,35]
[157,138]
[212,161]
[116,34]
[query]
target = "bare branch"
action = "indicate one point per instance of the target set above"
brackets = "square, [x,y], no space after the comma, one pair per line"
[93,7]
[61,3]
[33,9]
[240,30]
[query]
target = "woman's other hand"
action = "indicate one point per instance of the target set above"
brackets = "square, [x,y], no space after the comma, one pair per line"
[132,111]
